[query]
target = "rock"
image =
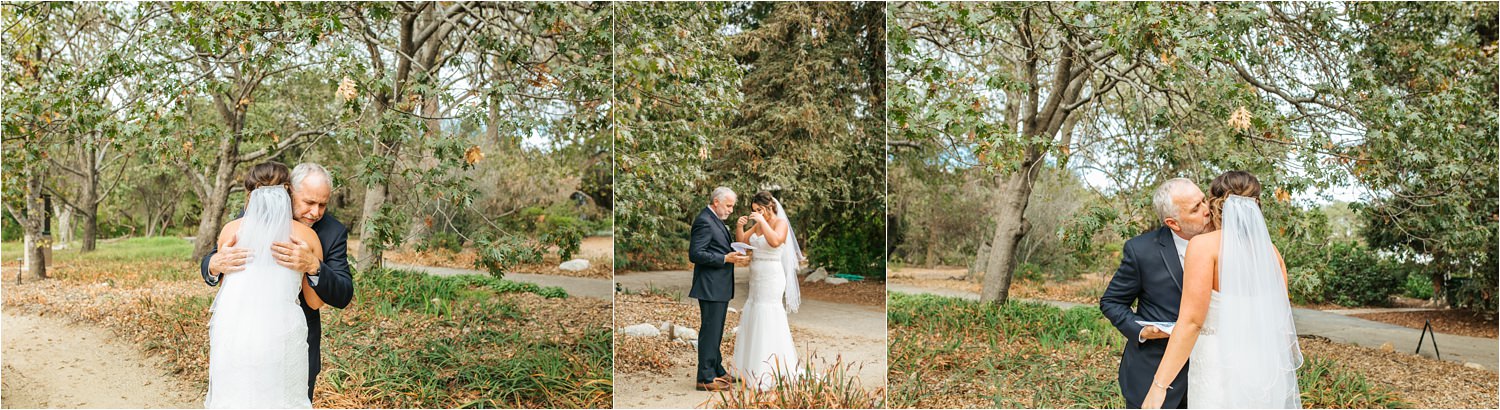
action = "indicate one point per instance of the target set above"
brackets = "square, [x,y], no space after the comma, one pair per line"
[574,265]
[817,275]
[684,333]
[1387,347]
[641,330]
[734,331]
[733,310]
[1473,365]
[836,281]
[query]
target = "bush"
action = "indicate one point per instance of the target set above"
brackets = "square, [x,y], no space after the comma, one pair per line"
[441,240]
[1306,285]
[1355,276]
[1418,285]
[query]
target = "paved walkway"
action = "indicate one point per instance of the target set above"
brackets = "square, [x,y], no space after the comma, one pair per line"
[1336,327]
[586,287]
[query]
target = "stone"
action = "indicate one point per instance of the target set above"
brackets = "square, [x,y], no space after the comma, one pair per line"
[574,265]
[733,310]
[817,275]
[684,333]
[836,281]
[1387,347]
[641,330]
[1473,365]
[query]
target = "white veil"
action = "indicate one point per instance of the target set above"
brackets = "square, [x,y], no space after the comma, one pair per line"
[1255,324]
[268,218]
[790,261]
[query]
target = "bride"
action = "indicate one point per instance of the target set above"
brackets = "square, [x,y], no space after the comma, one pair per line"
[257,336]
[1236,318]
[764,351]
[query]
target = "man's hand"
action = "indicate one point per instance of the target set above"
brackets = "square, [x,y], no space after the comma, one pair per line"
[296,255]
[229,259]
[1152,333]
[736,258]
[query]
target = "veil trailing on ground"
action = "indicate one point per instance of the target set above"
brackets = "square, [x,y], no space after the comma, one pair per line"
[790,261]
[1256,326]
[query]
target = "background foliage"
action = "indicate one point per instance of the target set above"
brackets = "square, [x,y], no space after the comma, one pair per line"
[786,97]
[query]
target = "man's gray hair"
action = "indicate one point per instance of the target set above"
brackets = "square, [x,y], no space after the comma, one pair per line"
[719,193]
[306,169]
[1161,199]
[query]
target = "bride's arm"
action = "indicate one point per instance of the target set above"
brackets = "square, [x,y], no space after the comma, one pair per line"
[775,232]
[1197,284]
[309,295]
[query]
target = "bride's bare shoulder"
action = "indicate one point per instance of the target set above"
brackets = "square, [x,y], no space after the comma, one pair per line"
[229,230]
[1206,241]
[306,234]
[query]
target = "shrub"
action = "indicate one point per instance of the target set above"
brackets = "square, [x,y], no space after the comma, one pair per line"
[1306,285]
[441,240]
[1355,276]
[1418,285]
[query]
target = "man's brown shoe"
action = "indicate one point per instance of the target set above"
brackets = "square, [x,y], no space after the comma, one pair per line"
[716,385]
[729,379]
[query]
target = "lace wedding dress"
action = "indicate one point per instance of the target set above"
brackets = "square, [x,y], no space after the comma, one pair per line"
[763,350]
[257,335]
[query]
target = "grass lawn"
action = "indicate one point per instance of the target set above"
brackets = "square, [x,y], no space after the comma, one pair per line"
[408,340]
[954,353]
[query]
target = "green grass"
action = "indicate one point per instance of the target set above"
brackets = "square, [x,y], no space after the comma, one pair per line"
[948,352]
[453,343]
[128,249]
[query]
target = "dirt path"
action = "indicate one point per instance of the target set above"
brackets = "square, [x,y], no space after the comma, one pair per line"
[1336,327]
[855,332]
[50,362]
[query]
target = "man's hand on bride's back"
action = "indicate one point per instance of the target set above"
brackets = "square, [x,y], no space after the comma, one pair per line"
[297,255]
[229,259]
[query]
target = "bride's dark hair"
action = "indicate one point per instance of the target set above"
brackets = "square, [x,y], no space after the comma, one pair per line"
[764,198]
[266,174]
[1229,183]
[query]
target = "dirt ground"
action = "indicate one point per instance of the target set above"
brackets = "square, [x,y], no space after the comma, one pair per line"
[658,373]
[1458,322]
[1423,382]
[51,362]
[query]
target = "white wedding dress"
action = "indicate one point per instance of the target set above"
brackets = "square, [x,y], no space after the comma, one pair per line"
[763,350]
[1247,354]
[257,335]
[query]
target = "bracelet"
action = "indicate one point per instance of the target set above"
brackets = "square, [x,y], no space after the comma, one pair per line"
[1155,384]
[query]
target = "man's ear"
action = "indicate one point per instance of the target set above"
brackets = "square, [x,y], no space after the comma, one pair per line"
[1171,223]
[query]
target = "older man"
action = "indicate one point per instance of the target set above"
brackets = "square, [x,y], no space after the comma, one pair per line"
[329,277]
[1150,277]
[713,285]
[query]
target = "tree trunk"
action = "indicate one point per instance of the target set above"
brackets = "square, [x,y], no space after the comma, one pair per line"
[34,246]
[371,244]
[64,232]
[212,217]
[1010,226]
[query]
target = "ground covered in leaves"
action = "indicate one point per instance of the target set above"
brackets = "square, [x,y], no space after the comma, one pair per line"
[1450,321]
[867,292]
[953,353]
[408,340]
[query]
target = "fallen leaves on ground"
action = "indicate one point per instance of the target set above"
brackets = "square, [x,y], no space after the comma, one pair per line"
[1450,321]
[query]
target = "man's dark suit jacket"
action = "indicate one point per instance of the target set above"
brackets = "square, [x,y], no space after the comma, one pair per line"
[1150,277]
[713,280]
